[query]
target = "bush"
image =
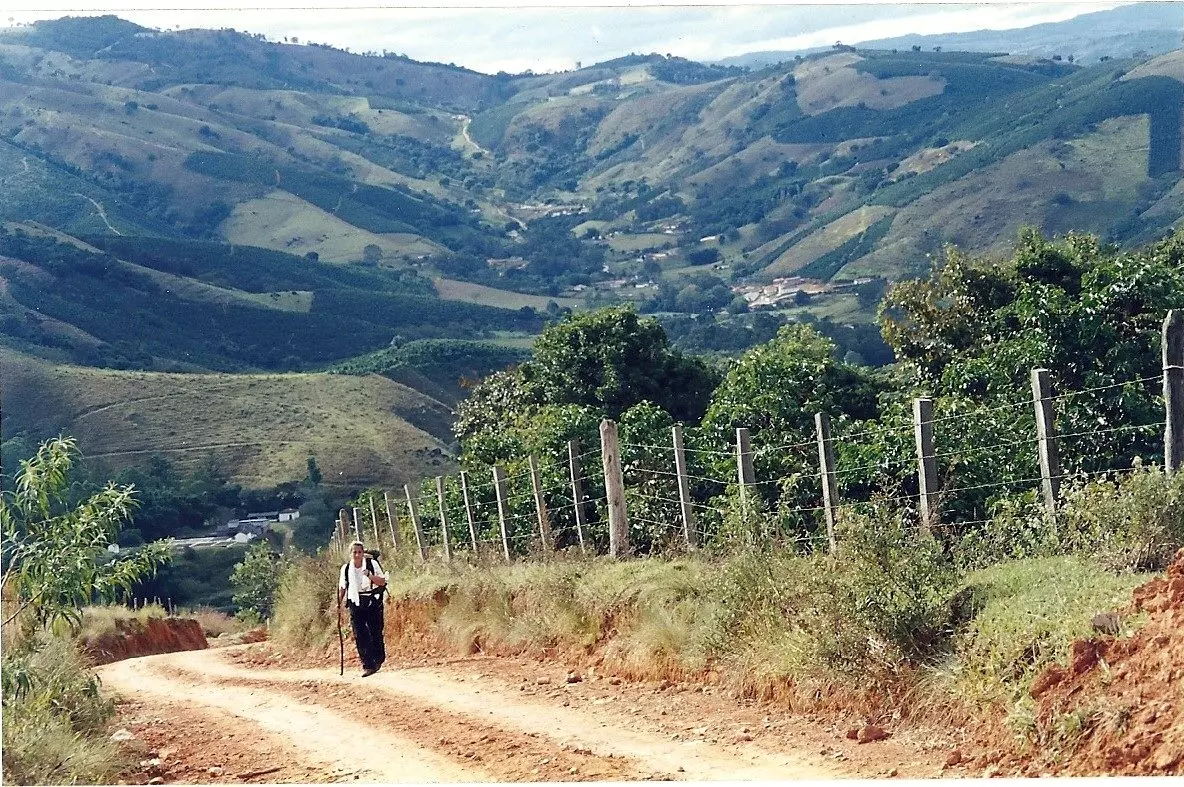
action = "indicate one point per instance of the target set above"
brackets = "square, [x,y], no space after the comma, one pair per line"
[894,579]
[1131,522]
[305,613]
[54,717]
[255,580]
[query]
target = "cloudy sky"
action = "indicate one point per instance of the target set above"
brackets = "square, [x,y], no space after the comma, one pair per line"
[546,35]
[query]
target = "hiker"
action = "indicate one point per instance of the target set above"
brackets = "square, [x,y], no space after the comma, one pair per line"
[361,584]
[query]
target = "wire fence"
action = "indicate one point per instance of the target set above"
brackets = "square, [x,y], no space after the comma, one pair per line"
[638,495]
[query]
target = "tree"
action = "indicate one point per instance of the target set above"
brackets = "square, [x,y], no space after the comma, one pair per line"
[774,390]
[55,552]
[971,333]
[372,254]
[612,359]
[314,472]
[255,580]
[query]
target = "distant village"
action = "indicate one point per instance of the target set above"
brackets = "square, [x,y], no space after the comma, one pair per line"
[239,531]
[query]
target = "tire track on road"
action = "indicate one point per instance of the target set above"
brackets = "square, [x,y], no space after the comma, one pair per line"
[326,737]
[604,734]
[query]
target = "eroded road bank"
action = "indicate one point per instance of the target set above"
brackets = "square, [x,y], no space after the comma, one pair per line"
[220,716]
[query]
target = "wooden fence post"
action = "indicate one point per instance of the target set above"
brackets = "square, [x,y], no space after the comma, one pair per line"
[826,464]
[396,538]
[342,523]
[689,535]
[374,521]
[540,506]
[926,463]
[1173,391]
[577,491]
[614,489]
[443,518]
[357,525]
[415,525]
[464,491]
[503,508]
[1050,460]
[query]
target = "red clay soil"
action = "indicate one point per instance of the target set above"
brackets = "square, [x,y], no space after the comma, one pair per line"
[132,638]
[1118,707]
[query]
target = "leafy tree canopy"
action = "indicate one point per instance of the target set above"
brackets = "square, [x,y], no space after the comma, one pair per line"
[1090,314]
[601,363]
[55,553]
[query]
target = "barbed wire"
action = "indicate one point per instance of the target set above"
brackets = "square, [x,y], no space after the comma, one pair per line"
[686,449]
[840,470]
[688,476]
[1108,431]
[691,503]
[788,446]
[1070,394]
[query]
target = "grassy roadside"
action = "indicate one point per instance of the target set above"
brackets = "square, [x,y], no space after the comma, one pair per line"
[56,717]
[767,624]
[894,625]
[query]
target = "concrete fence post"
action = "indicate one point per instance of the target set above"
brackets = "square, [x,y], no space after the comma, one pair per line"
[447,542]
[392,523]
[614,489]
[1173,391]
[826,465]
[926,463]
[374,521]
[1046,444]
[503,508]
[690,535]
[577,493]
[540,506]
[464,491]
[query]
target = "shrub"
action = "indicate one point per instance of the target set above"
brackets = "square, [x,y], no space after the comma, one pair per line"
[305,613]
[54,716]
[1132,521]
[254,581]
[895,580]
[215,623]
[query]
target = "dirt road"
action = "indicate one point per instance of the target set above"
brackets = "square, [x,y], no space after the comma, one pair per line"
[224,715]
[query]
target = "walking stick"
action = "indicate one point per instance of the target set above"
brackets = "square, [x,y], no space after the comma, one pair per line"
[340,637]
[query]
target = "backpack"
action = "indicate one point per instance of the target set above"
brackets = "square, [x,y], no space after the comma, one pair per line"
[365,597]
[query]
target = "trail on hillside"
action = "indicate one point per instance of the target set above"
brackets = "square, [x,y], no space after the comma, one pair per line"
[102,213]
[447,722]
[465,120]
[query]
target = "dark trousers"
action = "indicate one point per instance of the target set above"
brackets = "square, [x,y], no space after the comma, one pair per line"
[367,625]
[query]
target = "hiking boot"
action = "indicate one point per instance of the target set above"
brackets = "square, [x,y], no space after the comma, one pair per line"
[368,672]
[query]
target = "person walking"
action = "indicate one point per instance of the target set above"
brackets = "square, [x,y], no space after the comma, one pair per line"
[361,584]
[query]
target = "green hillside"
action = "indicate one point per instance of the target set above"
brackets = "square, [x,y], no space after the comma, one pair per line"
[257,429]
[212,202]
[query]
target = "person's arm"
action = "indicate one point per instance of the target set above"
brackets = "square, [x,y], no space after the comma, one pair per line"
[377,577]
[341,587]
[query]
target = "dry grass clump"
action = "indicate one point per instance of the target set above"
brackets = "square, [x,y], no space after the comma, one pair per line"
[215,623]
[107,619]
[304,615]
[54,717]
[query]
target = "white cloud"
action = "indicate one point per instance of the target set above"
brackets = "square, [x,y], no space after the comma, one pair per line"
[547,35]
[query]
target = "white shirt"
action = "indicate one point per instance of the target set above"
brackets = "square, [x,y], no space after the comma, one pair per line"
[357,580]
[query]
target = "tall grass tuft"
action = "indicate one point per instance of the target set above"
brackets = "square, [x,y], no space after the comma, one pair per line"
[54,716]
[304,615]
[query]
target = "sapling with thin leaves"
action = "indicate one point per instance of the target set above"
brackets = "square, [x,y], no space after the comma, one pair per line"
[55,552]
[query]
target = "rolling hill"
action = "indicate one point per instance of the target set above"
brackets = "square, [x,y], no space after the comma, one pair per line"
[209,205]
[259,429]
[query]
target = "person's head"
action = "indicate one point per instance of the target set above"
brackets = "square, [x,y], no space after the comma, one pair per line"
[357,552]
